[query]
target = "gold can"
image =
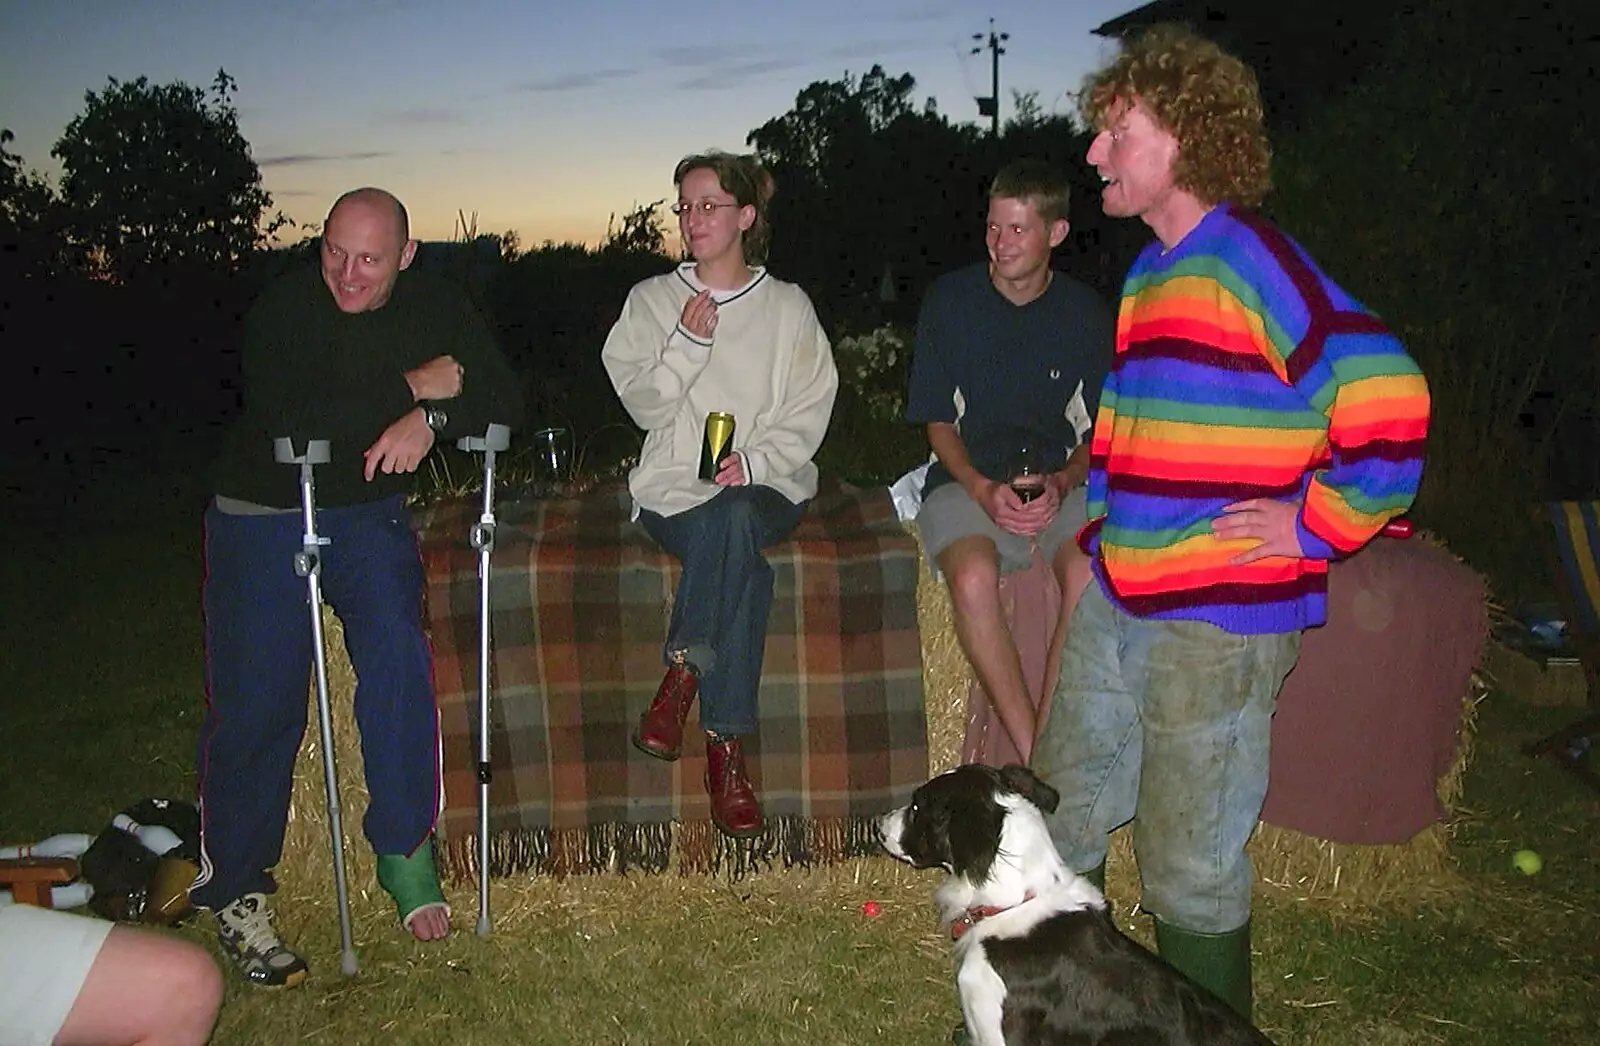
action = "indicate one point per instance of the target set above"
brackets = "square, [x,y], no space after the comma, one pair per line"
[716,443]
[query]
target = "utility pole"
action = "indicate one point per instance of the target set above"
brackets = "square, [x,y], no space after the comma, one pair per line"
[990,106]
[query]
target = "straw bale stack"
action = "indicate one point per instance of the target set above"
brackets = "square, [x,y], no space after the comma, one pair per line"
[306,871]
[1553,685]
[945,675]
[1344,876]
[1338,874]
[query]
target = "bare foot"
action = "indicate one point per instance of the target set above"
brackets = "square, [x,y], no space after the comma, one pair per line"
[431,922]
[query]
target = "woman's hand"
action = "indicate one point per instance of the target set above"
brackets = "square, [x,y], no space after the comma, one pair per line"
[700,315]
[731,472]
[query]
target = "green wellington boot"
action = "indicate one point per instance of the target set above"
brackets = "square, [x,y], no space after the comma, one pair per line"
[1219,962]
[1097,876]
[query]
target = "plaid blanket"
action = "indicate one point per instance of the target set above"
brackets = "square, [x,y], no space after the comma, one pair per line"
[579,602]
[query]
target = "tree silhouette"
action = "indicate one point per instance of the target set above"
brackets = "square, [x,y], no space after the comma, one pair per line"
[641,231]
[877,196]
[30,234]
[871,192]
[510,245]
[831,116]
[160,174]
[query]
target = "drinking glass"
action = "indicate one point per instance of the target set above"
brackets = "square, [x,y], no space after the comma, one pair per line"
[552,454]
[1028,472]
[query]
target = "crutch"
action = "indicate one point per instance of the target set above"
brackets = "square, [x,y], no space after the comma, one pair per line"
[308,564]
[495,438]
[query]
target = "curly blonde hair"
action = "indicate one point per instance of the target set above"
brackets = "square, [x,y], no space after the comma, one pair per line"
[1205,98]
[747,181]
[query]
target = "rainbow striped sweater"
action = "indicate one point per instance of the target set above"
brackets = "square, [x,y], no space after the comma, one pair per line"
[1242,371]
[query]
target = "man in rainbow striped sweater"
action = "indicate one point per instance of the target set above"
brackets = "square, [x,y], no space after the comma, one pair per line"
[1257,423]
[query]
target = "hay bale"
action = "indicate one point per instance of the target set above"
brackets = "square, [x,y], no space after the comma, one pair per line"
[945,673]
[306,871]
[1548,685]
[1348,876]
[1355,876]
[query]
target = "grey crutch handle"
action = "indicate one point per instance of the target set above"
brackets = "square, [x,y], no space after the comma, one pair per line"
[308,560]
[317,452]
[495,438]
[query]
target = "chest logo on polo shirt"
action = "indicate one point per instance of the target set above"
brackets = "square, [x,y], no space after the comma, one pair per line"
[1055,375]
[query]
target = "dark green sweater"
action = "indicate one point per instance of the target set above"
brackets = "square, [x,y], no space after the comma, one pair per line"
[314,372]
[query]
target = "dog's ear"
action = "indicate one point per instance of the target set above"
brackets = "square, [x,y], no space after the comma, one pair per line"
[1027,784]
[974,825]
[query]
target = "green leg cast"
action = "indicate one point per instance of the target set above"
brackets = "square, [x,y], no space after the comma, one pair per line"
[1219,962]
[412,882]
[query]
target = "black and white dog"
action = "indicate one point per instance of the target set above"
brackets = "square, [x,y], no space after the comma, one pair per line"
[1038,958]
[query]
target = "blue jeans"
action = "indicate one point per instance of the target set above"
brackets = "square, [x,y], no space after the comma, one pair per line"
[719,612]
[1168,724]
[258,673]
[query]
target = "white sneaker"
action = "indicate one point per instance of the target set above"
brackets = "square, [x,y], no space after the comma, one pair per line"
[245,931]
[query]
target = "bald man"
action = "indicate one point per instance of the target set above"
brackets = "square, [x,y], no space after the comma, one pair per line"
[383,362]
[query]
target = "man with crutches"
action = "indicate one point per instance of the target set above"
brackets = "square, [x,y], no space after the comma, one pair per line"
[378,362]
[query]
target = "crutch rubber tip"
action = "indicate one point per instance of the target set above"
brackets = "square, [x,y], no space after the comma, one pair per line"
[347,963]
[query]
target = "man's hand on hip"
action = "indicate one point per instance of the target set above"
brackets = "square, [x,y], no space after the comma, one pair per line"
[1272,523]
[438,379]
[402,446]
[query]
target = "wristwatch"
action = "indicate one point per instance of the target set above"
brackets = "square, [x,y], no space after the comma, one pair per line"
[435,416]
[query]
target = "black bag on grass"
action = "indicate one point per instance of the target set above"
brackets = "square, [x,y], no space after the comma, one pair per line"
[134,883]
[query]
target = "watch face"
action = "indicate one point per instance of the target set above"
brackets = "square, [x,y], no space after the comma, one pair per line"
[436,418]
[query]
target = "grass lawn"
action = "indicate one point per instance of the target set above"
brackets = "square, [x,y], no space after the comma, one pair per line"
[101,689]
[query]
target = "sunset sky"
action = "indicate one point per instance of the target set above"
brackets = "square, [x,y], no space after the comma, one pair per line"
[545,118]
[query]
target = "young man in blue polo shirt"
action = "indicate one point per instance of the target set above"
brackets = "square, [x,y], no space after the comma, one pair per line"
[1010,357]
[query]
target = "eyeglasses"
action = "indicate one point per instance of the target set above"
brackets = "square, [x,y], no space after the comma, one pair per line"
[704,207]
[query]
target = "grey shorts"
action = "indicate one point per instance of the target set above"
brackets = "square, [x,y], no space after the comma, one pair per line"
[950,513]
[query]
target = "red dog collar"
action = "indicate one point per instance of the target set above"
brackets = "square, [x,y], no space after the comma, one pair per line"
[976,914]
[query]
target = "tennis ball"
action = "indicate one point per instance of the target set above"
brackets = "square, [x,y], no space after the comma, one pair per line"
[1527,862]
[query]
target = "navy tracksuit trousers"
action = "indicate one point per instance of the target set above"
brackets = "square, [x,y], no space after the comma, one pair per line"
[258,674]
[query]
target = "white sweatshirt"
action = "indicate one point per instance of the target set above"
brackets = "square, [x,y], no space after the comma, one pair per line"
[768,364]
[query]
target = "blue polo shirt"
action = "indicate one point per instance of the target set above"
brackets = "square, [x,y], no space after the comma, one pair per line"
[1009,375]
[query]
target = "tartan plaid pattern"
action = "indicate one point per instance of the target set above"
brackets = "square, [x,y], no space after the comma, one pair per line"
[579,602]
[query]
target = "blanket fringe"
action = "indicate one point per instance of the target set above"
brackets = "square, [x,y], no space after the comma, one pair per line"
[698,847]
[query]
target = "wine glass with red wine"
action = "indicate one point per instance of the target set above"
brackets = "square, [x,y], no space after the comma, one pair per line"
[1028,472]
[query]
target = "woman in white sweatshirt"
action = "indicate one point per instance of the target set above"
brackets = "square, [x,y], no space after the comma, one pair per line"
[719,334]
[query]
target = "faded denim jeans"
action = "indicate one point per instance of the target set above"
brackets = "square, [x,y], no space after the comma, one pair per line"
[1168,724]
[724,596]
